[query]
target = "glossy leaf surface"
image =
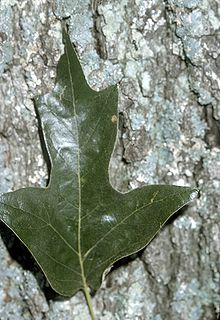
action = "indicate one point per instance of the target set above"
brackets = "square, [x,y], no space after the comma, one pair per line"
[78,226]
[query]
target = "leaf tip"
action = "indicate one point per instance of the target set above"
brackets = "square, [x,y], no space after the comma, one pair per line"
[194,194]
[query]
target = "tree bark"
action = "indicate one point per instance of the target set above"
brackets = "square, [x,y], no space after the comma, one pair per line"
[165,55]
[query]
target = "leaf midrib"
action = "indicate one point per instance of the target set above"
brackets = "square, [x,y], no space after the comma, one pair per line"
[79,177]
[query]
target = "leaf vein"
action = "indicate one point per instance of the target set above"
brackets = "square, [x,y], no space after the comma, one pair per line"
[120,223]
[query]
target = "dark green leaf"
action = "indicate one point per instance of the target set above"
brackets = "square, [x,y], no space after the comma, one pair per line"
[78,226]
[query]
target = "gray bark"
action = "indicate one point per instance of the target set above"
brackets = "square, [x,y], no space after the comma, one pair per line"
[166,57]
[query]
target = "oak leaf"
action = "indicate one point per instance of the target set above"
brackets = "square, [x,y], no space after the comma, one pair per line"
[78,226]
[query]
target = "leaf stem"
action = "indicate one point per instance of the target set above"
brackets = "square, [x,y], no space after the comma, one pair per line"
[89,301]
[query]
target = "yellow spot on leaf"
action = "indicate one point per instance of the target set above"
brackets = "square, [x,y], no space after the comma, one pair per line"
[114,118]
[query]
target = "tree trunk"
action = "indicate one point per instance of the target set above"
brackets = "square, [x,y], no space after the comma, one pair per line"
[165,55]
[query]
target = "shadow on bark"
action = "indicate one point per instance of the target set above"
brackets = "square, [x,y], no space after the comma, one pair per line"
[21,254]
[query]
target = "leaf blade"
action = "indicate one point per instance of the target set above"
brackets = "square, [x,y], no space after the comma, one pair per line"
[79,225]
